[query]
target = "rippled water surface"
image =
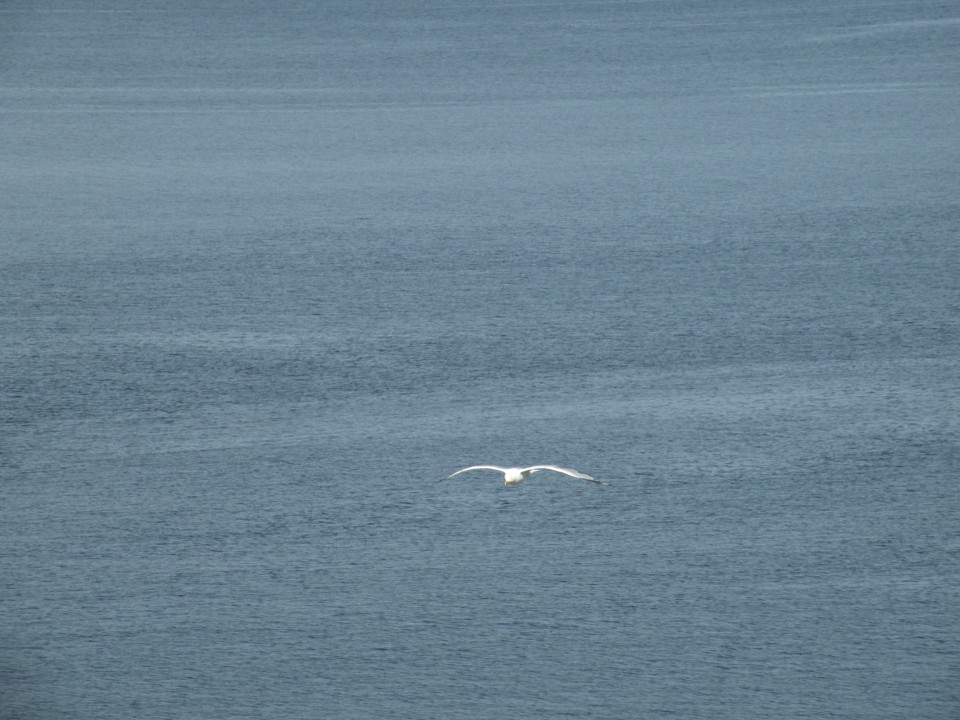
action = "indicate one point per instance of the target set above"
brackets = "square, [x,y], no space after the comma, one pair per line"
[269,271]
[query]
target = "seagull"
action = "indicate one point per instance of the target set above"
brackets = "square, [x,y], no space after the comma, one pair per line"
[515,476]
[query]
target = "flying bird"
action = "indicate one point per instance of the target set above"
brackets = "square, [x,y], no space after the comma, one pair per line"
[515,476]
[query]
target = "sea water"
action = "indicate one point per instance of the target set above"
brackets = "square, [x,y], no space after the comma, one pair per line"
[270,270]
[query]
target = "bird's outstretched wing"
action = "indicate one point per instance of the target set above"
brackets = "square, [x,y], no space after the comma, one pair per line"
[565,471]
[474,467]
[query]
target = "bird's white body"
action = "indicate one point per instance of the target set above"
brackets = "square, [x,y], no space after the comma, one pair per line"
[515,476]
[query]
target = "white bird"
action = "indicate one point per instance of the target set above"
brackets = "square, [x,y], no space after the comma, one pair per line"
[515,476]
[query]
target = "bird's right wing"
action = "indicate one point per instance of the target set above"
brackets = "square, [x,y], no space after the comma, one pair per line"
[565,471]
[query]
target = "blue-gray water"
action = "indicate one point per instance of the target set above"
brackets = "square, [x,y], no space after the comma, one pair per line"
[268,270]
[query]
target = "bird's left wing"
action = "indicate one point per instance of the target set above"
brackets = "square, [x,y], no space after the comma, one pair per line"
[473,467]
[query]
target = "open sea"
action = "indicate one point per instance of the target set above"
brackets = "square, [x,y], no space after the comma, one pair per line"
[268,270]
